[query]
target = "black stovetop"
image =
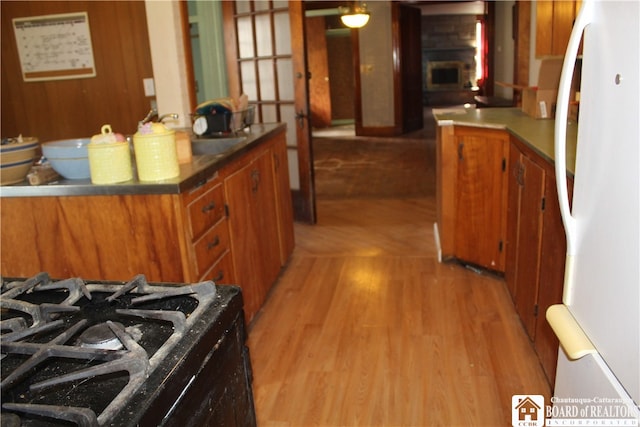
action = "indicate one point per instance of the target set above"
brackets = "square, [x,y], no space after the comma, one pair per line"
[153,335]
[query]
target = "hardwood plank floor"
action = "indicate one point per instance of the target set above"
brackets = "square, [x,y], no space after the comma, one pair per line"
[365,328]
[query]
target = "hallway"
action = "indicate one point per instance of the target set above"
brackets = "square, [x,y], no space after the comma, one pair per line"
[365,328]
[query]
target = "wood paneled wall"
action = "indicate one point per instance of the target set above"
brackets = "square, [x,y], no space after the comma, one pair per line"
[78,108]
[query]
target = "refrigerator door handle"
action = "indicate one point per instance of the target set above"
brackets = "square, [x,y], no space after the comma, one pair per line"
[572,338]
[584,18]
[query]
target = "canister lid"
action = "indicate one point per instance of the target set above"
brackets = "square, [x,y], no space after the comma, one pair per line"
[153,129]
[106,136]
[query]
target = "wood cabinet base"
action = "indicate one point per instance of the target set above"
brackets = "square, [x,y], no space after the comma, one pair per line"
[471,194]
[235,228]
[498,209]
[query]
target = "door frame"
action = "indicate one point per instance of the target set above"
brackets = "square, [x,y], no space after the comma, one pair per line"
[304,204]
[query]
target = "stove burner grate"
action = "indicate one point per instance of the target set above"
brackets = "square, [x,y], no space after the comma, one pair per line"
[37,332]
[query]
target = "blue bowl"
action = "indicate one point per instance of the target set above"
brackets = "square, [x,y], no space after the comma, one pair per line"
[69,157]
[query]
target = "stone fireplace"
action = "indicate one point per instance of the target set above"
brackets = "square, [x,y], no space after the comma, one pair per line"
[448,59]
[445,75]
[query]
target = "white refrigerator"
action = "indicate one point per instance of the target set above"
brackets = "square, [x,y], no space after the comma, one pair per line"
[598,324]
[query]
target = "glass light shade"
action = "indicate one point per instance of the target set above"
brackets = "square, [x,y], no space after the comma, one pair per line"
[355,20]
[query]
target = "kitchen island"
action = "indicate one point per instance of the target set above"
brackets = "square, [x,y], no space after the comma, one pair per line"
[536,133]
[497,207]
[226,218]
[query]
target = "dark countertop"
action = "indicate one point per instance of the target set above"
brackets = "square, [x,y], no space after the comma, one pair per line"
[199,170]
[536,133]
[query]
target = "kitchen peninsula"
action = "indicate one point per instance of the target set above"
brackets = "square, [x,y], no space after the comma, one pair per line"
[497,207]
[226,218]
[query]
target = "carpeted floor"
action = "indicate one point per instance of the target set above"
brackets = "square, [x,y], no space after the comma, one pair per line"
[364,167]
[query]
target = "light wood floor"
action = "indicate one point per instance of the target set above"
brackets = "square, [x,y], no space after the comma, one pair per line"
[366,328]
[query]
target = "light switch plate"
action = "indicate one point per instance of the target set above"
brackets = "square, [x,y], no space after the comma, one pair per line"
[149,88]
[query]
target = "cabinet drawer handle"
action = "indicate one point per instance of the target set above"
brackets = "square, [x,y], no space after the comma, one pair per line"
[518,174]
[211,206]
[255,177]
[213,243]
[199,184]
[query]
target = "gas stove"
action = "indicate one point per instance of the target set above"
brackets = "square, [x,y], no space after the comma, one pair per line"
[123,353]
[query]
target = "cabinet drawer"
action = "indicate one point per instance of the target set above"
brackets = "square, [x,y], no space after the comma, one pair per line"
[200,188]
[221,272]
[206,211]
[211,246]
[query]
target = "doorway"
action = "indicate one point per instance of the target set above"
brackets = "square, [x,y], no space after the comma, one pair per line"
[331,72]
[265,58]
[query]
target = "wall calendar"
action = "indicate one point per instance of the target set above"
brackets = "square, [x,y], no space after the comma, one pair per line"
[55,47]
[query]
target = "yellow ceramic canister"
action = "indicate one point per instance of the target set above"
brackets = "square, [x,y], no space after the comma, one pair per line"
[109,159]
[156,154]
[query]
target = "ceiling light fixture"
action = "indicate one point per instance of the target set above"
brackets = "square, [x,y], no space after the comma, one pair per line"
[355,16]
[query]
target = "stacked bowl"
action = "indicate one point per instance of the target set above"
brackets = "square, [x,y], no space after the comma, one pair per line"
[16,158]
[69,157]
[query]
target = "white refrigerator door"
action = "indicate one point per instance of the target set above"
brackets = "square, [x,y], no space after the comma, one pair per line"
[602,283]
[578,380]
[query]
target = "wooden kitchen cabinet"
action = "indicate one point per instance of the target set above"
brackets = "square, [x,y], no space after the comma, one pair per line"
[98,237]
[253,229]
[166,237]
[553,257]
[221,271]
[526,205]
[283,200]
[234,227]
[472,194]
[248,217]
[496,192]
[536,248]
[205,206]
[554,21]
[207,231]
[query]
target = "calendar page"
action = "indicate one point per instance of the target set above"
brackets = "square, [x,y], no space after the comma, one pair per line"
[54,47]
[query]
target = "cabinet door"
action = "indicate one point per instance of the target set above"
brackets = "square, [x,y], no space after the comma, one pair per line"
[253,229]
[515,178]
[94,237]
[480,213]
[283,199]
[552,265]
[527,268]
[544,28]
[554,21]
[536,249]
